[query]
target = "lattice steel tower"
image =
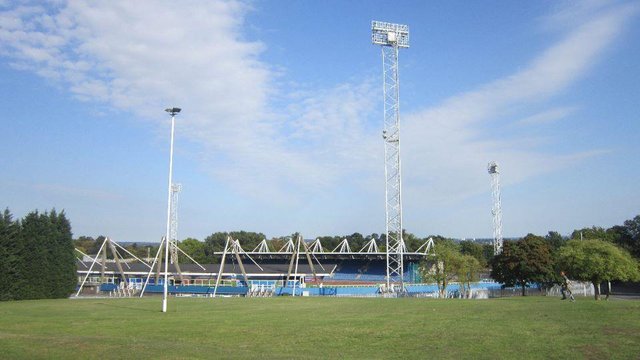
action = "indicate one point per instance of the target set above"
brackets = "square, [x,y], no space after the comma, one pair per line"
[173,233]
[496,209]
[392,37]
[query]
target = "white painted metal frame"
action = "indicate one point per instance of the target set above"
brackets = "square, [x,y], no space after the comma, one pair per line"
[173,239]
[263,247]
[316,246]
[90,268]
[113,246]
[233,246]
[224,257]
[157,257]
[295,271]
[343,247]
[496,208]
[391,37]
[288,246]
[370,247]
[153,264]
[168,232]
[427,246]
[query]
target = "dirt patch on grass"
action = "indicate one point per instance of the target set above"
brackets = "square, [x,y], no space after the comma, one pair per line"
[609,330]
[592,352]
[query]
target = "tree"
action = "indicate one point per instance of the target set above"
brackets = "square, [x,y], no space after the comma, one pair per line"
[487,253]
[195,249]
[597,261]
[37,257]
[277,243]
[594,232]
[468,272]
[628,235]
[63,261]
[446,264]
[411,241]
[356,241]
[34,235]
[97,245]
[84,243]
[555,240]
[139,250]
[472,248]
[11,265]
[248,240]
[214,243]
[328,242]
[522,262]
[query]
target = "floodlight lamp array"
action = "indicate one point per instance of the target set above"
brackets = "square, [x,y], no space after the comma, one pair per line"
[173,111]
[388,34]
[493,168]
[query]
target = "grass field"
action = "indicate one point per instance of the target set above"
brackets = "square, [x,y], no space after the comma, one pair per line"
[320,328]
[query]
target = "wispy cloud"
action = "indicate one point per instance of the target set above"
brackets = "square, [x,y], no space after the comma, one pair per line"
[548,116]
[145,55]
[142,56]
[448,146]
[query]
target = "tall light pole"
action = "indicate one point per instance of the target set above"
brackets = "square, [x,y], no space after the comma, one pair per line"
[496,208]
[392,37]
[172,111]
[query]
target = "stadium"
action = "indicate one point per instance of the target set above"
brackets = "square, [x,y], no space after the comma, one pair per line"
[263,272]
[300,268]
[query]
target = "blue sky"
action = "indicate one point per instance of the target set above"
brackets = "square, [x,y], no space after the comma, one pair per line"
[282,115]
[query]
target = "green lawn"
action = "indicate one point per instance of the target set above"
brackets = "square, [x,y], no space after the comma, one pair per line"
[320,328]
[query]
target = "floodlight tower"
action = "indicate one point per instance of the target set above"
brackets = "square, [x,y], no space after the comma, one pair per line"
[173,112]
[496,209]
[392,37]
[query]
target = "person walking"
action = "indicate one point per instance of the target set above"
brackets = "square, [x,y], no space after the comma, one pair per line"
[564,287]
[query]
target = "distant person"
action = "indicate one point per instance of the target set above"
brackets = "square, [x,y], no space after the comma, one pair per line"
[564,287]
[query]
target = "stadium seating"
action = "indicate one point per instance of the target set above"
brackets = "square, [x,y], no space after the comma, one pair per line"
[365,271]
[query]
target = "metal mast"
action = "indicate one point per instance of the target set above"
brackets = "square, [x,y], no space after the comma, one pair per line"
[173,112]
[392,37]
[173,233]
[496,209]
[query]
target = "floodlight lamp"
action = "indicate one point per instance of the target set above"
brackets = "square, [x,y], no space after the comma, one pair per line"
[173,111]
[388,34]
[493,167]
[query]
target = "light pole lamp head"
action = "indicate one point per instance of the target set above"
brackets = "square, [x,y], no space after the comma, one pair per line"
[173,111]
[492,167]
[388,34]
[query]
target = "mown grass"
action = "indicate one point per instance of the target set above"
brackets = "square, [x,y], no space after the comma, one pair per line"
[320,328]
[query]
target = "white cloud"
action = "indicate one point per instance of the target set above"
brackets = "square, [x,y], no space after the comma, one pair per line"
[548,116]
[142,56]
[448,146]
[146,55]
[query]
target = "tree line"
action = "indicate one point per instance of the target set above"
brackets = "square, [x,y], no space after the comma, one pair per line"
[594,255]
[36,256]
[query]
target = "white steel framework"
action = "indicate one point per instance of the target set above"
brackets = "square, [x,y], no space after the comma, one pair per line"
[173,112]
[496,209]
[263,247]
[343,247]
[370,247]
[392,37]
[316,246]
[173,233]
